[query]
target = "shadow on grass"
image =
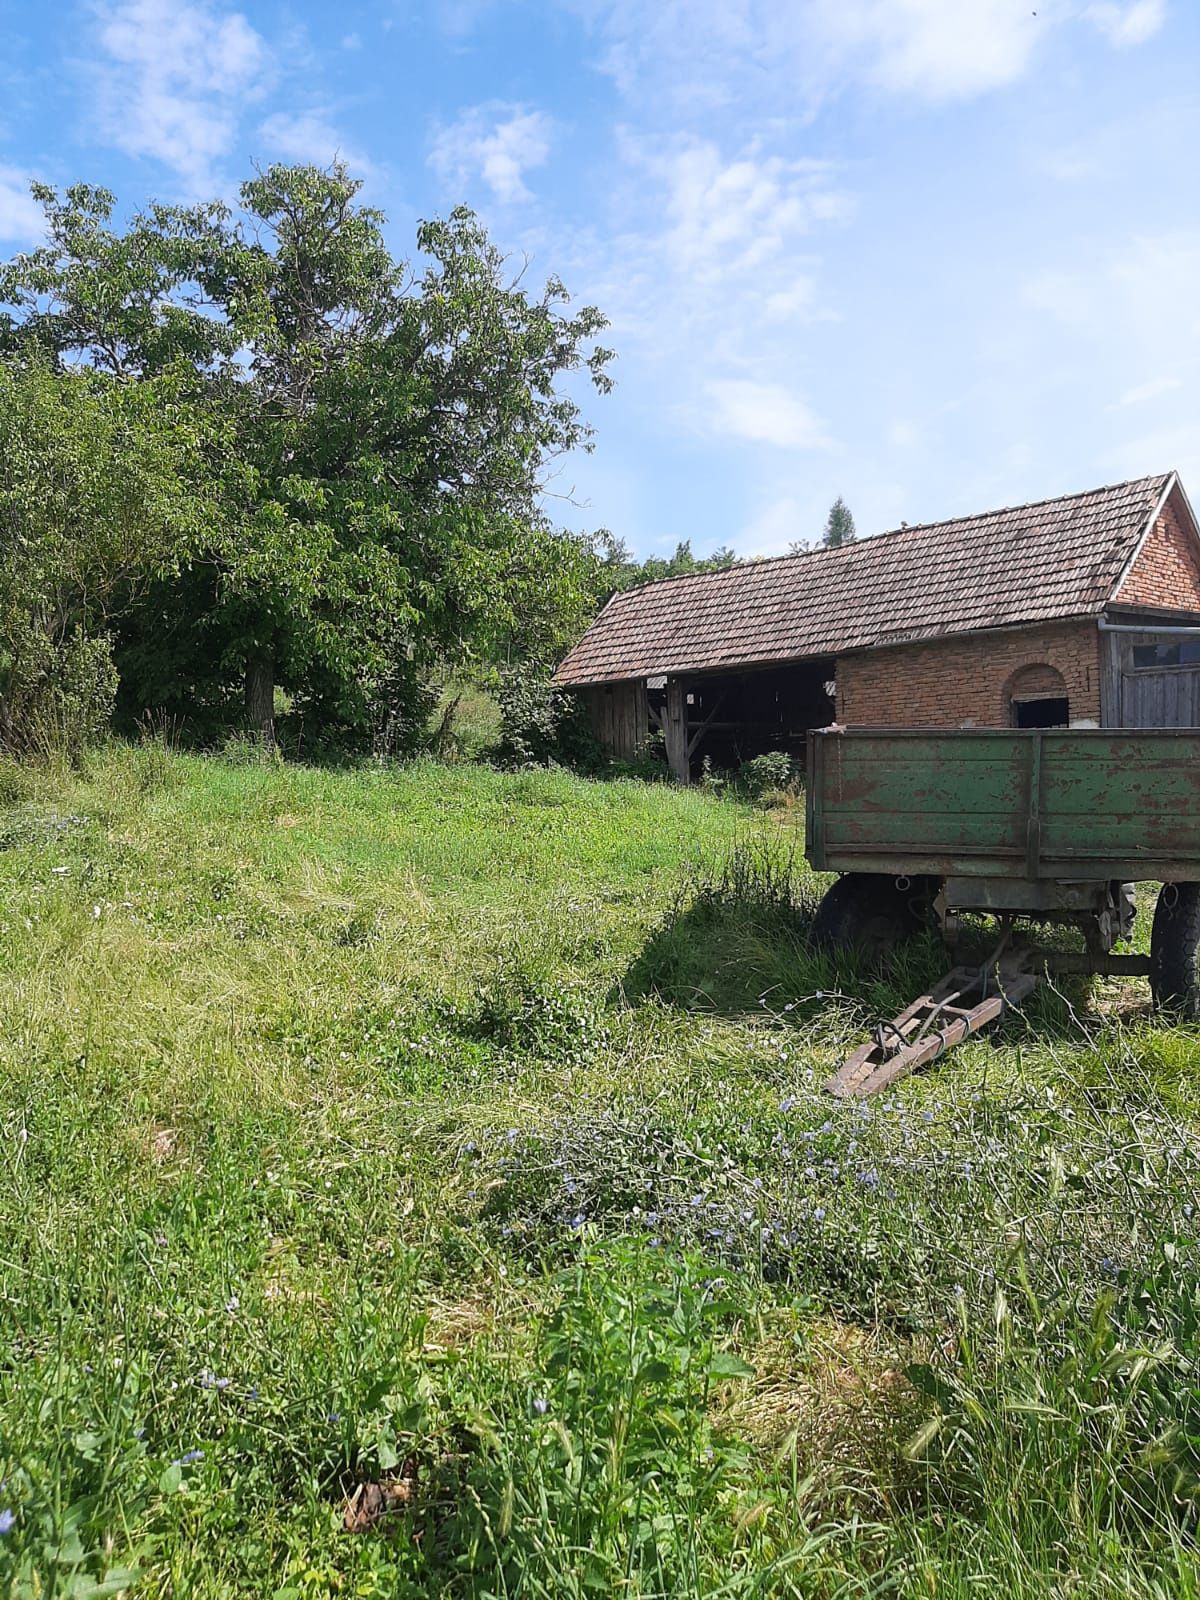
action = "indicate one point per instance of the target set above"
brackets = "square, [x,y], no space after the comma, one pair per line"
[737,941]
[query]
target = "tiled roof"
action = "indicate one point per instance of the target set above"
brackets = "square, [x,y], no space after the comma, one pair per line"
[1027,564]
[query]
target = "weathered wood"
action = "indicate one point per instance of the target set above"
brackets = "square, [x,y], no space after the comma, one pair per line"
[1111,660]
[675,731]
[620,718]
[962,1003]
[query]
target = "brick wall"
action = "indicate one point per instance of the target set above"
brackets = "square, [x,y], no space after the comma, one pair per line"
[952,683]
[1166,573]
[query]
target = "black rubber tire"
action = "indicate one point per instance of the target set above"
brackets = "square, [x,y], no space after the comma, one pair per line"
[867,912]
[1175,950]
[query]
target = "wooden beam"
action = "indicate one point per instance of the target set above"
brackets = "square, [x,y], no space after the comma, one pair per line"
[699,733]
[675,731]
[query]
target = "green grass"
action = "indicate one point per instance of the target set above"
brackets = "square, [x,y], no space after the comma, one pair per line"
[462,1132]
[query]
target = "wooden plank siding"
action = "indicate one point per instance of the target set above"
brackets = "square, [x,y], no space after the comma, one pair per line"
[620,718]
[1146,697]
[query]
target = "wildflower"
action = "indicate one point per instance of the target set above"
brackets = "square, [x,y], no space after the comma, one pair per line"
[787,1102]
[232,1304]
[654,1242]
[188,1458]
[541,1406]
[209,1380]
[333,1416]
[7,1518]
[577,1221]
[819,1214]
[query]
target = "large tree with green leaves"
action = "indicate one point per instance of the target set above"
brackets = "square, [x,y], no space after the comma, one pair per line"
[384,436]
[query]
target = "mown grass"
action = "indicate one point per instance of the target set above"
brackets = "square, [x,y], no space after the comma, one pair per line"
[462,1132]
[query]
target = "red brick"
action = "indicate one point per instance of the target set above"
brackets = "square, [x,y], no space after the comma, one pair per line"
[1166,573]
[969,682]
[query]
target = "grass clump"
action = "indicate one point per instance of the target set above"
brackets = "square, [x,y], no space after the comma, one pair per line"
[444,1150]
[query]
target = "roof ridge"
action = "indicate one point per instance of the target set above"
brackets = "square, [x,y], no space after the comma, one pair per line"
[755,562]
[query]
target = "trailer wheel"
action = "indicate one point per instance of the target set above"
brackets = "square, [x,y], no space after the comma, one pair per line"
[869,912]
[1175,949]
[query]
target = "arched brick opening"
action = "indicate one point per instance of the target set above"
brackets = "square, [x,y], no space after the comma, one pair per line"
[1035,696]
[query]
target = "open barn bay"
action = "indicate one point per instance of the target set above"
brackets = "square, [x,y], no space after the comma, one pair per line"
[418,1182]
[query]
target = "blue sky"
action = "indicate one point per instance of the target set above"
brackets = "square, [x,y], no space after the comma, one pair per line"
[932,255]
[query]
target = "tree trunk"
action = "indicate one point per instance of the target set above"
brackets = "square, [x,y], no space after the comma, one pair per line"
[260,695]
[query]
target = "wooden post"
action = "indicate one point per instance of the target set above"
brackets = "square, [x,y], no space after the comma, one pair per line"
[675,731]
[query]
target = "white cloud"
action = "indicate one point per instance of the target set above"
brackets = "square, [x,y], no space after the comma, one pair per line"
[935,49]
[705,270]
[20,215]
[1132,23]
[172,78]
[497,142]
[704,54]
[731,216]
[309,136]
[766,413]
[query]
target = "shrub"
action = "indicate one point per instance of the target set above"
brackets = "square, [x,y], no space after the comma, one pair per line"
[774,769]
[540,724]
[55,697]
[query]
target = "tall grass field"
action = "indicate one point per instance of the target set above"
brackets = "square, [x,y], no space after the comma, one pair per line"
[419,1182]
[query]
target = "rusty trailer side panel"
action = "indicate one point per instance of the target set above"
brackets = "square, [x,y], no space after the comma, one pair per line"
[1074,804]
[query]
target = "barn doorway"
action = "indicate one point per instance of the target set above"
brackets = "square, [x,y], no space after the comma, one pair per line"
[730,717]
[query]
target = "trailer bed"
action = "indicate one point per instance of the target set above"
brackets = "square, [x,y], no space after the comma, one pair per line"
[1068,805]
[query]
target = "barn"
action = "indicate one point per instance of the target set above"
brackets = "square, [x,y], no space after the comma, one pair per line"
[1082,611]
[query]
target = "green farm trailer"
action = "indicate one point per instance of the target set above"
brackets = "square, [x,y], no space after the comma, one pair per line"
[1038,826]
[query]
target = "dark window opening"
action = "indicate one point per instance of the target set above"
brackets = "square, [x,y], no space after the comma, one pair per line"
[1050,711]
[1178,653]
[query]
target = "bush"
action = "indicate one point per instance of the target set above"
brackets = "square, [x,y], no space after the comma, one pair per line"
[775,769]
[55,698]
[541,724]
